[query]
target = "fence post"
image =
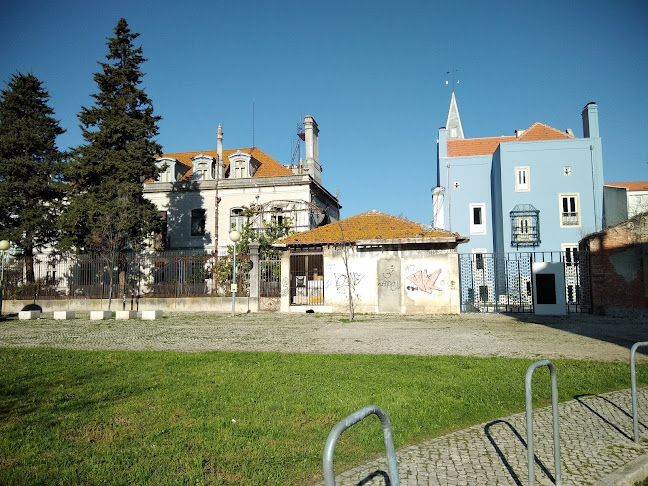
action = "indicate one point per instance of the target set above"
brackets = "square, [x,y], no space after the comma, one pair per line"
[354,418]
[633,389]
[529,419]
[254,277]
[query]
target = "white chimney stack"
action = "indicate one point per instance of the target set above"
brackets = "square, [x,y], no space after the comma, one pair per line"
[311,138]
[219,152]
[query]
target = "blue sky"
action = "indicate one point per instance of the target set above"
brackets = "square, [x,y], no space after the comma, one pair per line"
[372,73]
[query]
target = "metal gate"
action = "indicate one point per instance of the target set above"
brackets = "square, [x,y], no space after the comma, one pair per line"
[502,282]
[307,279]
[269,285]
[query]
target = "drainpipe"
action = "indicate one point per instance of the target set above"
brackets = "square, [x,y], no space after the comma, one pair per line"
[596,226]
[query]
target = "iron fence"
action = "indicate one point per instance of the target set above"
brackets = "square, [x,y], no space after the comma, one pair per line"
[502,282]
[144,274]
[270,278]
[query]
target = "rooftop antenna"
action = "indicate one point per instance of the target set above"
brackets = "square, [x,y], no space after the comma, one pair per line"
[301,136]
[253,123]
[452,72]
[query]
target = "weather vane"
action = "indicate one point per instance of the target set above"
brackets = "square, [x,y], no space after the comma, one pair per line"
[452,71]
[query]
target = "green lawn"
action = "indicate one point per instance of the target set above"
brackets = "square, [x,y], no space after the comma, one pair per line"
[95,417]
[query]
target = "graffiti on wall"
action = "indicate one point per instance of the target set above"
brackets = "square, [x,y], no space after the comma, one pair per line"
[342,282]
[390,279]
[425,281]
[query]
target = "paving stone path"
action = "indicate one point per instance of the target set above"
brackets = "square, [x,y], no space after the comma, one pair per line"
[596,439]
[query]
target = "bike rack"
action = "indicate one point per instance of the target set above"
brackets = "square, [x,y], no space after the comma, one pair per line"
[354,418]
[529,419]
[633,388]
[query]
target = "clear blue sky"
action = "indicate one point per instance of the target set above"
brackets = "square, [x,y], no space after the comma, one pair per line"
[372,73]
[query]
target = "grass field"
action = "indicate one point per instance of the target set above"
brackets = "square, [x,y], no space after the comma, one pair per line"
[134,417]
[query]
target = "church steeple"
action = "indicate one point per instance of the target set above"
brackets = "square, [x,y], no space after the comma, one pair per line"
[454,130]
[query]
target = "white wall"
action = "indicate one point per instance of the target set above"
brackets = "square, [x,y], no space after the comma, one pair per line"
[179,203]
[386,281]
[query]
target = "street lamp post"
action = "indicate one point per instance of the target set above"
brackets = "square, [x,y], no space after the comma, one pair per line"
[4,246]
[235,236]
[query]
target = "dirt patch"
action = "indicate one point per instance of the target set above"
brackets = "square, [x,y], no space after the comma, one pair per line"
[577,336]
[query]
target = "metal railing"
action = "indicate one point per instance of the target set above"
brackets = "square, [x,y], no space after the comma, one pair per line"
[633,389]
[354,418]
[186,273]
[529,419]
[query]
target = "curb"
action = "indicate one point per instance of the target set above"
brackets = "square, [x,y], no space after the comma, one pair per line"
[636,470]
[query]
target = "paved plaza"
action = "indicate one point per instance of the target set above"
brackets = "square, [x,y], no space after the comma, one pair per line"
[596,440]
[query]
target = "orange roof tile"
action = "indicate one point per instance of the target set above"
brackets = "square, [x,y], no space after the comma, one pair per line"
[540,131]
[372,225]
[268,167]
[630,186]
[487,145]
[476,146]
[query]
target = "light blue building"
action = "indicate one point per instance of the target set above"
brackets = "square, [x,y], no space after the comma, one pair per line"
[540,189]
[525,201]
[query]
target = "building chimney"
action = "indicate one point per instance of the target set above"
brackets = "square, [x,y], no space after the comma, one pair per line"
[219,152]
[311,139]
[590,121]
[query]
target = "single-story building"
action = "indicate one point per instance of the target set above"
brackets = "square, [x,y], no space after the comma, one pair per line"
[389,265]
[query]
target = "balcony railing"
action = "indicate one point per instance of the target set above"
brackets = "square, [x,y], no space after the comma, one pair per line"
[570,219]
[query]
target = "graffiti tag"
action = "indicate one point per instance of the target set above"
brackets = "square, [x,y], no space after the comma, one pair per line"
[424,281]
[342,283]
[387,281]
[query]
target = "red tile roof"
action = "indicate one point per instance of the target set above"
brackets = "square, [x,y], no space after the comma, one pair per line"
[630,186]
[475,146]
[268,167]
[487,145]
[540,131]
[372,225]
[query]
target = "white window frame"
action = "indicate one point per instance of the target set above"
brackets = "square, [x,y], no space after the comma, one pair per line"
[481,266]
[522,179]
[523,224]
[575,197]
[240,169]
[198,222]
[573,250]
[237,219]
[477,229]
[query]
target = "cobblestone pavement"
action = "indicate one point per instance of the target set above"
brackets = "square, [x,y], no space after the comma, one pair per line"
[596,439]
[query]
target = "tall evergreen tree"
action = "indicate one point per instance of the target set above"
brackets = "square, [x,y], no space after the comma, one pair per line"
[107,210]
[31,190]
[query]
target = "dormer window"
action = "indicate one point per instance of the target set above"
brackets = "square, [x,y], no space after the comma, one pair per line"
[167,168]
[242,165]
[239,170]
[203,167]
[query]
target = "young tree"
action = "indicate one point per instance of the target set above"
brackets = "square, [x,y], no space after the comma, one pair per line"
[116,159]
[30,185]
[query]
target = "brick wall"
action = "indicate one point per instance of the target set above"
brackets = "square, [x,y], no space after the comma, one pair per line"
[619,266]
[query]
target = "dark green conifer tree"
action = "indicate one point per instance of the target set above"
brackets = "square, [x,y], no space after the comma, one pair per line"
[107,211]
[31,190]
